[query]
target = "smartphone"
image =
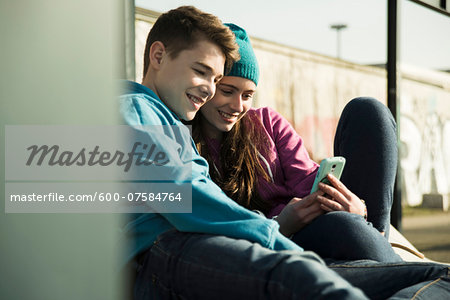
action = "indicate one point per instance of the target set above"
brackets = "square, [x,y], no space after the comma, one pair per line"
[334,165]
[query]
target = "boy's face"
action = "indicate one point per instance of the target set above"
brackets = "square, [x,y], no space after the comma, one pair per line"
[186,82]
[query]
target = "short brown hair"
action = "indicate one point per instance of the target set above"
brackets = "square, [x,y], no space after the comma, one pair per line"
[181,28]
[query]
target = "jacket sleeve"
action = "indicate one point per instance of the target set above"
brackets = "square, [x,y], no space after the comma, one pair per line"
[213,212]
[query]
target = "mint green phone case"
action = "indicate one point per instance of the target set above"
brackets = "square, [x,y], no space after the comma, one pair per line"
[334,165]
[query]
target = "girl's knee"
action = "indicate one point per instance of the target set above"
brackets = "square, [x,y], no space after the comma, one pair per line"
[342,217]
[366,104]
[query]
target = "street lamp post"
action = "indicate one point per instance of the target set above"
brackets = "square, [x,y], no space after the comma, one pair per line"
[338,28]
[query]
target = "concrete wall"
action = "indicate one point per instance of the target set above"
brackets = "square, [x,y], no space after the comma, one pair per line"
[310,90]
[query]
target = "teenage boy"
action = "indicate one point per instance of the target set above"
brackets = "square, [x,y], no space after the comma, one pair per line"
[220,250]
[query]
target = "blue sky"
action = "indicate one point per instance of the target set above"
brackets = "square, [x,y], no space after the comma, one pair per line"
[424,34]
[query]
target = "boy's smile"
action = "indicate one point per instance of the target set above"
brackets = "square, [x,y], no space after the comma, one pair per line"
[186,82]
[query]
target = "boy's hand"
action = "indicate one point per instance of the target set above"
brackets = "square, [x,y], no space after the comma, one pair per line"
[339,198]
[298,213]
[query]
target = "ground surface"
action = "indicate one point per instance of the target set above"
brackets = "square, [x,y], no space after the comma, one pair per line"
[429,232]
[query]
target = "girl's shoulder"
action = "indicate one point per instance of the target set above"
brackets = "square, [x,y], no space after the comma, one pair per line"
[268,116]
[265,111]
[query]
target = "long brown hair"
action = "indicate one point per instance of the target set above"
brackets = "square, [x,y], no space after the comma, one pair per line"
[239,158]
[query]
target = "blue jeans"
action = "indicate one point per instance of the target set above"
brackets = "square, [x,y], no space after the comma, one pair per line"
[403,280]
[201,266]
[366,136]
[345,236]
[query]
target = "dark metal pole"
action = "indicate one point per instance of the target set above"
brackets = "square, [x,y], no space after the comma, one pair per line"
[392,95]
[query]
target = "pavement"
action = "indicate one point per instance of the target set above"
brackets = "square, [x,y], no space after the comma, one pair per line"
[429,232]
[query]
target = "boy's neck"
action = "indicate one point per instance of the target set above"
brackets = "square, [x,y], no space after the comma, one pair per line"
[150,84]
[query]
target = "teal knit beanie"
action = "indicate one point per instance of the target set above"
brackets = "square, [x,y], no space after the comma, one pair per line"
[247,66]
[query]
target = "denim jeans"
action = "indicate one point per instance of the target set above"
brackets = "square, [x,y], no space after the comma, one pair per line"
[403,280]
[366,136]
[345,236]
[201,266]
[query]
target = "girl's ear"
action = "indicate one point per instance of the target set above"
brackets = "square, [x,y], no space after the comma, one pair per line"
[157,52]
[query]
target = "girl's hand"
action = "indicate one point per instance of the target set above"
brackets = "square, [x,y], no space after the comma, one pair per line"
[298,213]
[338,197]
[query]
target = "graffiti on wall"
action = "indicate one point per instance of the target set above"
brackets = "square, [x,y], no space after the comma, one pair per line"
[424,157]
[318,135]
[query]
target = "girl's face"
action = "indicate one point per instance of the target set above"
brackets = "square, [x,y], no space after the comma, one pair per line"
[233,98]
